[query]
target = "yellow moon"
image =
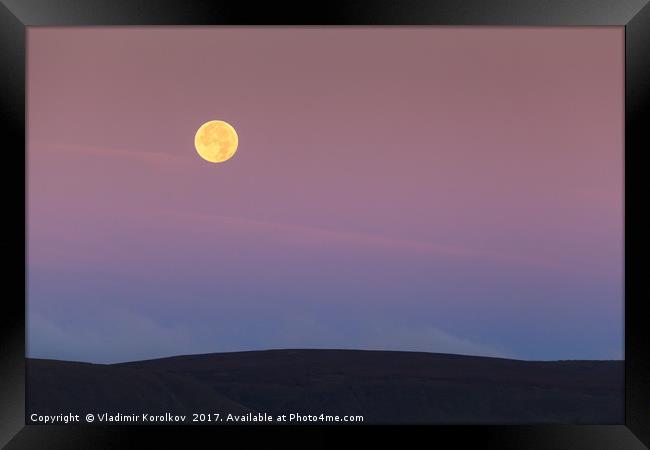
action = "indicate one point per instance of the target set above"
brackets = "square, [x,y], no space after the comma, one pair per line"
[216,141]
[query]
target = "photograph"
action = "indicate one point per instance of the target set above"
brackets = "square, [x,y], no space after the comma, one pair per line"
[290,225]
[414,221]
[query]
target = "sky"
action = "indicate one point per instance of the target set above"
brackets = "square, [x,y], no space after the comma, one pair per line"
[440,189]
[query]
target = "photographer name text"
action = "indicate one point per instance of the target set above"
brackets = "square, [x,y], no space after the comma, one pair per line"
[206,418]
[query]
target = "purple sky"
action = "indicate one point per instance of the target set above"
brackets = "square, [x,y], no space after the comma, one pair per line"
[440,189]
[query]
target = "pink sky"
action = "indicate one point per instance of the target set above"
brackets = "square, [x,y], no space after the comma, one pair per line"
[446,181]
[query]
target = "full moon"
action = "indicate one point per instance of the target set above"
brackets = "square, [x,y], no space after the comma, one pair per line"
[216,141]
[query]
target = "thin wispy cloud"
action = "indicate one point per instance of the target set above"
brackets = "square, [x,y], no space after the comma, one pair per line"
[312,234]
[146,156]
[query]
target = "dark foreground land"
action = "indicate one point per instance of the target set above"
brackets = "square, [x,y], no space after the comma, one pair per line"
[384,387]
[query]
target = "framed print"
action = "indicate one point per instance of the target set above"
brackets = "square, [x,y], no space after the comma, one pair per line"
[383,217]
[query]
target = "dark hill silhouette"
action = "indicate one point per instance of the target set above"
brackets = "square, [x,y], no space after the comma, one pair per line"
[383,386]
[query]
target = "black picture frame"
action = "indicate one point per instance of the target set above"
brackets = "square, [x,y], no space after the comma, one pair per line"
[633,15]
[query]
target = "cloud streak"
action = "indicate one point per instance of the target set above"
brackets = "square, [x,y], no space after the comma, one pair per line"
[145,156]
[120,336]
[312,235]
